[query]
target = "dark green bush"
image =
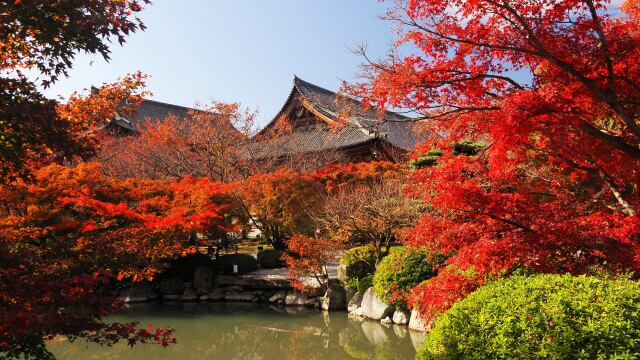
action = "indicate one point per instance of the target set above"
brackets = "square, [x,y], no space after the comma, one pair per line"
[365,283]
[246,263]
[184,267]
[541,317]
[401,270]
[360,262]
[467,147]
[428,159]
[270,259]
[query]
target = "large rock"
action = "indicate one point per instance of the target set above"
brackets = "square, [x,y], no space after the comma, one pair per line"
[203,279]
[355,302]
[401,317]
[416,322]
[265,296]
[313,302]
[335,298]
[216,294]
[172,286]
[279,295]
[138,292]
[241,296]
[373,307]
[350,292]
[189,295]
[234,288]
[295,298]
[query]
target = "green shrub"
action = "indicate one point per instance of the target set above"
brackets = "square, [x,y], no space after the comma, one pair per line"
[541,317]
[246,263]
[467,147]
[401,270]
[364,283]
[360,262]
[184,267]
[428,159]
[270,259]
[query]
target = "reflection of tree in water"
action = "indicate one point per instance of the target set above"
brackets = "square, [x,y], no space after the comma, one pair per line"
[372,340]
[249,331]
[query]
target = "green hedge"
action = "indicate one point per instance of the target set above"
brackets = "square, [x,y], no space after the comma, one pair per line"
[541,317]
[270,259]
[360,262]
[246,263]
[401,270]
[184,267]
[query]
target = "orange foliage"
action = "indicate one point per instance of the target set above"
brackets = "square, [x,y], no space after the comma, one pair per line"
[308,257]
[341,175]
[209,143]
[72,230]
[278,203]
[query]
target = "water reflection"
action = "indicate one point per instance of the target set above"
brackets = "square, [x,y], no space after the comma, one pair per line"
[250,331]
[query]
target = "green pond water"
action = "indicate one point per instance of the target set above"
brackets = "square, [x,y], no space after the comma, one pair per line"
[252,331]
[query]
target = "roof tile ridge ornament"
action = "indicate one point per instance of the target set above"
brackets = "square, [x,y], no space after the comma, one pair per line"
[119,117]
[311,104]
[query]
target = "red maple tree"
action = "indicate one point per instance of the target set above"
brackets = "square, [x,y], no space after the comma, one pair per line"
[71,231]
[552,88]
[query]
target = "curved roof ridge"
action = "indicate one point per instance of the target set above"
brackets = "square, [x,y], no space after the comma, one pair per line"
[326,102]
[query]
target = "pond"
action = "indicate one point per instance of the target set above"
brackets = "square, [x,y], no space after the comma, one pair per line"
[252,331]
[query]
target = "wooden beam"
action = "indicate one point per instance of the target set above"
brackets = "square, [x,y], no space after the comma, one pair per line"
[309,106]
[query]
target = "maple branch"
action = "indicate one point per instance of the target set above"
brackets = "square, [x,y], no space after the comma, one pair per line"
[610,99]
[605,46]
[627,208]
[615,141]
[497,218]
[471,78]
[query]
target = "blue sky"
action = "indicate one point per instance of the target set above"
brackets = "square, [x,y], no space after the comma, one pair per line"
[240,50]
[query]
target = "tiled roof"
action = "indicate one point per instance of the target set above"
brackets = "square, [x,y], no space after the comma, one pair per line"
[151,110]
[393,128]
[312,139]
[361,126]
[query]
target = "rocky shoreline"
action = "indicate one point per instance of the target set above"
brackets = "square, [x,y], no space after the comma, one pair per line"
[258,288]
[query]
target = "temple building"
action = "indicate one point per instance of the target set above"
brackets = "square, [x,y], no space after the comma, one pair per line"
[148,110]
[314,120]
[313,123]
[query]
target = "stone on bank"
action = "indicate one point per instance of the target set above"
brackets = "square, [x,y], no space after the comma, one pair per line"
[372,307]
[335,298]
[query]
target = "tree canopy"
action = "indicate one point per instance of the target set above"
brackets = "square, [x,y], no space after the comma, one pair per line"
[556,189]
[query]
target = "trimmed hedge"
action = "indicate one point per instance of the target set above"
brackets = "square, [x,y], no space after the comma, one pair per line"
[184,267]
[541,317]
[246,263]
[270,259]
[360,262]
[401,270]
